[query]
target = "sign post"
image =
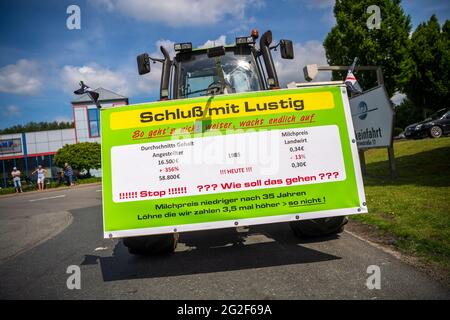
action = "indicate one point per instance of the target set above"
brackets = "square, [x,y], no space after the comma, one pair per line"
[260,157]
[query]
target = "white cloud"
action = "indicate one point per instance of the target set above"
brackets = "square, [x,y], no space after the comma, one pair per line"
[107,4]
[21,78]
[94,76]
[221,41]
[398,98]
[124,80]
[11,111]
[181,12]
[311,52]
[320,4]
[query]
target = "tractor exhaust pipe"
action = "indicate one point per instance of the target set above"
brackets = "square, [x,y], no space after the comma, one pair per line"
[165,75]
[264,44]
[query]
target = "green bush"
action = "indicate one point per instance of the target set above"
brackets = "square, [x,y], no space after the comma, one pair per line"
[80,156]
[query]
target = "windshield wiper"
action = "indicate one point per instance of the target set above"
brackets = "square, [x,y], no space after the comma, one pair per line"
[220,74]
[211,87]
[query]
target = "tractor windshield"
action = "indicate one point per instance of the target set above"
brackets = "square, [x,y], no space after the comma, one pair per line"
[198,73]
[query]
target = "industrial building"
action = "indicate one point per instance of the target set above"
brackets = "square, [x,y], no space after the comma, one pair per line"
[27,150]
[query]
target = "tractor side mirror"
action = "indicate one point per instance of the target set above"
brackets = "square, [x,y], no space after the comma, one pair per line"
[143,62]
[286,49]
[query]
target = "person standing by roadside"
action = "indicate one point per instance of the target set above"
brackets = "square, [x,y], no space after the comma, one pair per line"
[40,177]
[68,172]
[16,179]
[61,177]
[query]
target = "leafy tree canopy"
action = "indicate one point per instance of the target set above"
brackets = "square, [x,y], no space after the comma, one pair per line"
[80,156]
[37,126]
[429,87]
[406,113]
[387,46]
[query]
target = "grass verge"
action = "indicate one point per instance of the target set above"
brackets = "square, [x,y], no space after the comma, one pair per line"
[414,208]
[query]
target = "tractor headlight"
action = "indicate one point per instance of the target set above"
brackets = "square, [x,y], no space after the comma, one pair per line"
[186,46]
[244,40]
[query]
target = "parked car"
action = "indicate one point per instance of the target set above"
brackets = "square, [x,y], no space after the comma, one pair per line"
[434,127]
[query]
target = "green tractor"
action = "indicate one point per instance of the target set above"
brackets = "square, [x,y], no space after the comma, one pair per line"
[242,67]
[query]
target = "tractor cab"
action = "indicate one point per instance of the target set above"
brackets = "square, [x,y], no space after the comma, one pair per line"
[234,70]
[241,67]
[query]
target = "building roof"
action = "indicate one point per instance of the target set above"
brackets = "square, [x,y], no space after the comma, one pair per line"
[105,95]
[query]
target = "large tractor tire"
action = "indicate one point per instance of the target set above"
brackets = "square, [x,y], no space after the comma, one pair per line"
[319,227]
[151,245]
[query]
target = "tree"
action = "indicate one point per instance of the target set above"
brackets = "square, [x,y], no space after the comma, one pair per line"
[429,88]
[387,46]
[80,156]
[406,113]
[37,126]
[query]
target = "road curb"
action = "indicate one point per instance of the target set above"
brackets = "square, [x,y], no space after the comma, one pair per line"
[78,186]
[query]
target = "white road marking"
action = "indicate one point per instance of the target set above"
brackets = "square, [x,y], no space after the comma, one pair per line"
[98,190]
[47,198]
[384,248]
[101,248]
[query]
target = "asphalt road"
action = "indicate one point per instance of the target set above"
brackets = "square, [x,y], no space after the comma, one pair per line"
[263,262]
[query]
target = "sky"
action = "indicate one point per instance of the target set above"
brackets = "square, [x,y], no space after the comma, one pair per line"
[42,61]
